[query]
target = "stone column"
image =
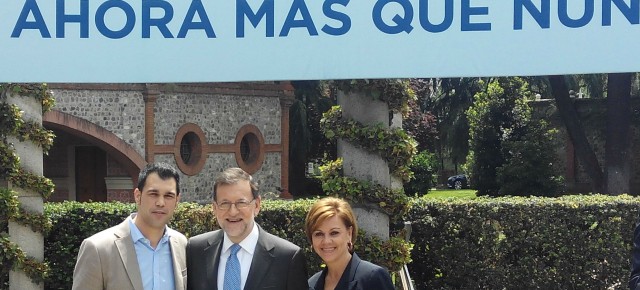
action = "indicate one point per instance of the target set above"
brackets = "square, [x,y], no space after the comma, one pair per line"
[32,243]
[363,165]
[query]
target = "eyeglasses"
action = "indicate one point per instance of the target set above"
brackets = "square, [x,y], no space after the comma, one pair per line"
[239,204]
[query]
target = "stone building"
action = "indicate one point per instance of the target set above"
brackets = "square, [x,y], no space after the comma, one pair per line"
[106,132]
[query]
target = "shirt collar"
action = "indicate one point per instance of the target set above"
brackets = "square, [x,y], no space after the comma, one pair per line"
[248,244]
[137,235]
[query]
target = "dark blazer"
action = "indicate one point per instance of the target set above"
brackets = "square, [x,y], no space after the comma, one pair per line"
[634,281]
[277,263]
[359,275]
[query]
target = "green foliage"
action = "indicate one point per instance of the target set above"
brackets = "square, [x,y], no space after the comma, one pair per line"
[392,254]
[529,169]
[572,242]
[9,204]
[424,166]
[11,118]
[28,180]
[452,193]
[392,202]
[37,91]
[395,92]
[74,221]
[510,153]
[421,126]
[13,124]
[192,219]
[448,99]
[313,98]
[394,145]
[13,257]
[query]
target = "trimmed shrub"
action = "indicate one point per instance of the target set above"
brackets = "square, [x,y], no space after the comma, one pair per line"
[572,242]
[72,223]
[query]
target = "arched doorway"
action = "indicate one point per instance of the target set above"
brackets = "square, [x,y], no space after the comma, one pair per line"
[91,163]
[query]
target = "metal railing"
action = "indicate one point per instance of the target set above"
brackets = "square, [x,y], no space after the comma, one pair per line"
[405,277]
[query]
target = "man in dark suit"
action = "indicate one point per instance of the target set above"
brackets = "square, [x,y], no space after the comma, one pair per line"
[242,255]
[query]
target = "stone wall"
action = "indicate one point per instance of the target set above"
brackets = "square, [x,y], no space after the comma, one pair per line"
[220,113]
[219,116]
[118,111]
[593,116]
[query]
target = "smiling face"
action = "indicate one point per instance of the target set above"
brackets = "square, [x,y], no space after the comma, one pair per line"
[330,240]
[156,203]
[236,222]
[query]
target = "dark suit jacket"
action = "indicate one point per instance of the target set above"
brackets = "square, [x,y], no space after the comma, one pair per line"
[359,275]
[277,263]
[634,281]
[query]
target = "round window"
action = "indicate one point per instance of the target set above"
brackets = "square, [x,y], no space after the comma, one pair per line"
[188,149]
[249,148]
[189,141]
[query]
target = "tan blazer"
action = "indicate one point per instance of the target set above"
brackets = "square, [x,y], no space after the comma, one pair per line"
[108,261]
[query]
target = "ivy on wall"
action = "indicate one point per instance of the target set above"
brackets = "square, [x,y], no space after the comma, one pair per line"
[13,124]
[392,202]
[394,145]
[395,92]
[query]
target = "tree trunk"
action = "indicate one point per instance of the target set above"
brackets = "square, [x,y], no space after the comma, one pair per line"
[618,165]
[569,116]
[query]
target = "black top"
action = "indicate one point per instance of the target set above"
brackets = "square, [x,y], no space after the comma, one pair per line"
[359,275]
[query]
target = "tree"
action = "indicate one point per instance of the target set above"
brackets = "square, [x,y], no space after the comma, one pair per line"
[422,126]
[617,151]
[448,99]
[306,141]
[615,178]
[509,150]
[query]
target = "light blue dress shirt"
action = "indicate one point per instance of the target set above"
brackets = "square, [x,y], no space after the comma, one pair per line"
[156,265]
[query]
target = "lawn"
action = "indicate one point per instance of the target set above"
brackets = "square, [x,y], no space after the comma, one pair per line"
[445,193]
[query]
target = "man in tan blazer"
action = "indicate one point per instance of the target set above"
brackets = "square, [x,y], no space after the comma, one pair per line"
[141,253]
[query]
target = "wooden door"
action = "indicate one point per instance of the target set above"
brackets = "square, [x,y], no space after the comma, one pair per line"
[91,169]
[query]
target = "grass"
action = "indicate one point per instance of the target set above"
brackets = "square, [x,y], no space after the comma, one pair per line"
[446,193]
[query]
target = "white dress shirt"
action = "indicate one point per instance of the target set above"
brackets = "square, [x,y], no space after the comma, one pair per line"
[245,256]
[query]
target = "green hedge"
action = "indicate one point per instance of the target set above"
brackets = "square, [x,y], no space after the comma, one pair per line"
[485,243]
[73,221]
[574,242]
